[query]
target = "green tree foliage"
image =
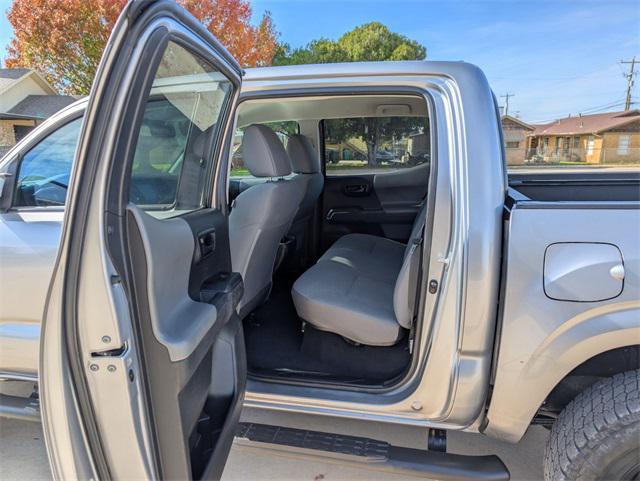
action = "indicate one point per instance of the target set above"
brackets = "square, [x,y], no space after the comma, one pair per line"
[374,131]
[369,42]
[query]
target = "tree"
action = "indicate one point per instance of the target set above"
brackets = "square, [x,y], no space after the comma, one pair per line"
[64,39]
[373,131]
[369,42]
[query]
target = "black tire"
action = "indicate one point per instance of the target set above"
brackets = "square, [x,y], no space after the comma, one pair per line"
[597,435]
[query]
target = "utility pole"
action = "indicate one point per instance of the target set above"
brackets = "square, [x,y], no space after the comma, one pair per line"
[629,76]
[506,103]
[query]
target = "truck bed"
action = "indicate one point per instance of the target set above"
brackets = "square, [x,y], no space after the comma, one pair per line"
[577,185]
[571,284]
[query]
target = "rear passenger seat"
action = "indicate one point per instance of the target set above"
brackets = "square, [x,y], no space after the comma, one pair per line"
[360,288]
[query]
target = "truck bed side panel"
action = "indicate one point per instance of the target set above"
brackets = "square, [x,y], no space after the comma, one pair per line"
[584,308]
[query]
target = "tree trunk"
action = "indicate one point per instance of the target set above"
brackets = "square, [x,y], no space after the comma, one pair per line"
[371,139]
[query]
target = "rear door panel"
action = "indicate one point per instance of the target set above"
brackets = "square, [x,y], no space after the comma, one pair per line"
[382,204]
[143,288]
[189,328]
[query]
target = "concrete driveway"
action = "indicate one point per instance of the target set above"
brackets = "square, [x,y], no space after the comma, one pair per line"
[23,456]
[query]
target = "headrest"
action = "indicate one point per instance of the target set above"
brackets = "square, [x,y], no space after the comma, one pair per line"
[263,153]
[304,159]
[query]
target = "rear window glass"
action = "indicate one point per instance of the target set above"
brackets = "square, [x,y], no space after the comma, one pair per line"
[375,144]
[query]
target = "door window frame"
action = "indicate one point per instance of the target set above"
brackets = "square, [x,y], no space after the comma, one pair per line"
[322,132]
[216,143]
[14,161]
[21,159]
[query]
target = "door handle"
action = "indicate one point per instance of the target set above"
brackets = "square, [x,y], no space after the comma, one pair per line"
[356,189]
[207,242]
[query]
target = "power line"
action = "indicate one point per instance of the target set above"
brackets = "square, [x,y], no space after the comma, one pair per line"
[629,76]
[591,110]
[604,107]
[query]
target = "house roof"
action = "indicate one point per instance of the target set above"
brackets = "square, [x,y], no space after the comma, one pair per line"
[13,73]
[11,76]
[516,120]
[587,124]
[40,106]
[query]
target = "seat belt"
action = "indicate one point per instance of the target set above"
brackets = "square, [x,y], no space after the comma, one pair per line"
[414,279]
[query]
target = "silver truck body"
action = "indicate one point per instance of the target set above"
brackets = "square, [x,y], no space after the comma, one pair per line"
[539,339]
[29,239]
[542,338]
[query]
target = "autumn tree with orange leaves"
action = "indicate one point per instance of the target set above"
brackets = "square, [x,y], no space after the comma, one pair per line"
[64,39]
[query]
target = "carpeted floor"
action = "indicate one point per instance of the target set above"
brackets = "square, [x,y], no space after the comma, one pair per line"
[276,345]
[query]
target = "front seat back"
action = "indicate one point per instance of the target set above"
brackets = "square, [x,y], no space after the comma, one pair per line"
[262,214]
[306,165]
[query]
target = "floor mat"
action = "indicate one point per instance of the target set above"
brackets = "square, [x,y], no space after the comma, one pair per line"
[275,344]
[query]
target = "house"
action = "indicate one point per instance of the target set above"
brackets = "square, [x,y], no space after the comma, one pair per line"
[611,137]
[515,133]
[26,99]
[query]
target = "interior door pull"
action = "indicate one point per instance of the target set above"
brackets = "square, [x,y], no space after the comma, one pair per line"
[356,189]
[207,242]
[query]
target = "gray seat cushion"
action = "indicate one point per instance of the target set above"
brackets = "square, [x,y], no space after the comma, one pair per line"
[350,290]
[363,288]
[375,257]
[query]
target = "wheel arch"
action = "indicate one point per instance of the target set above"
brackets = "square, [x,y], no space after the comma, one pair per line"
[602,365]
[523,387]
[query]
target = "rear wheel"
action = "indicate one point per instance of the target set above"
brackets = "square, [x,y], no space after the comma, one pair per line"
[597,436]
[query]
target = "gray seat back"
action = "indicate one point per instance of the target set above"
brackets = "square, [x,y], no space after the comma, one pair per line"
[262,214]
[306,165]
[406,283]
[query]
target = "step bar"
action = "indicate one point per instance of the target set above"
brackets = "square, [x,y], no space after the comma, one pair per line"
[373,453]
[27,409]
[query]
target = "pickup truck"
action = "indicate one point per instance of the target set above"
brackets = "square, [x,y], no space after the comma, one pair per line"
[150,294]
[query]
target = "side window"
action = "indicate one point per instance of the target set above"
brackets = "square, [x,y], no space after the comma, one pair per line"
[187,99]
[375,144]
[44,171]
[284,130]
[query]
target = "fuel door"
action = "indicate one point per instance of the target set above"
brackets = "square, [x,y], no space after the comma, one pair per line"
[583,271]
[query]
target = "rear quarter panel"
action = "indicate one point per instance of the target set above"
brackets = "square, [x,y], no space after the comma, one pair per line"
[543,339]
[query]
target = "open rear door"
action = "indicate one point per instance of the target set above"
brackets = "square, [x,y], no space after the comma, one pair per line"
[142,368]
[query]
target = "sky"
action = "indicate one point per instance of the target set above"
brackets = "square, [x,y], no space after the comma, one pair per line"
[556,57]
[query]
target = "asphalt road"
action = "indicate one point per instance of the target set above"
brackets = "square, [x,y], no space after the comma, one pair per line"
[23,456]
